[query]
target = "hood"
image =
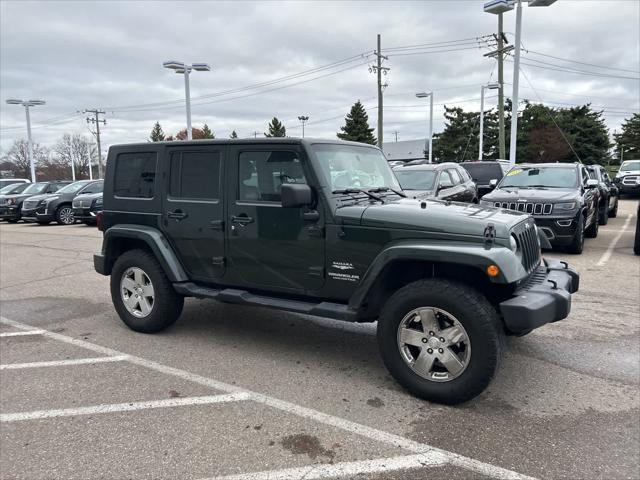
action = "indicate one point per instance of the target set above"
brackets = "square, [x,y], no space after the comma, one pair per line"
[540,195]
[420,193]
[436,216]
[41,197]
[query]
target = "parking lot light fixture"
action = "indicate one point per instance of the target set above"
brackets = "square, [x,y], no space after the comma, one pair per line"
[303,119]
[498,7]
[429,143]
[182,68]
[490,86]
[26,104]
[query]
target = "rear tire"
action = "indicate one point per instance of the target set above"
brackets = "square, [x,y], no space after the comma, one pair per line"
[577,244]
[614,211]
[603,216]
[446,306]
[157,307]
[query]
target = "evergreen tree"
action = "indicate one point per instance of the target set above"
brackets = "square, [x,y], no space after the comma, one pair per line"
[206,132]
[233,135]
[588,134]
[460,139]
[356,127]
[276,129]
[629,140]
[157,135]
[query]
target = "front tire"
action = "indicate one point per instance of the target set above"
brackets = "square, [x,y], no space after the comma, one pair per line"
[441,340]
[603,216]
[592,230]
[614,211]
[142,294]
[577,244]
[64,215]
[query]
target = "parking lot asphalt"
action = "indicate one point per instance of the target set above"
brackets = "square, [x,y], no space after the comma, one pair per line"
[250,393]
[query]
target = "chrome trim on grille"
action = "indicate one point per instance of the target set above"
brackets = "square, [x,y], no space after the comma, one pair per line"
[633,180]
[527,207]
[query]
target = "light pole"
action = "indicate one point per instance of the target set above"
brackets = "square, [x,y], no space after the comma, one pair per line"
[491,86]
[303,119]
[180,67]
[429,142]
[26,104]
[497,7]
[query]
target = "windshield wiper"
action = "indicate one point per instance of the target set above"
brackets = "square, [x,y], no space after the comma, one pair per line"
[349,191]
[387,189]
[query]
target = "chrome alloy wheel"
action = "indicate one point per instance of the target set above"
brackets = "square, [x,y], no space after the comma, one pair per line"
[66,216]
[137,292]
[434,344]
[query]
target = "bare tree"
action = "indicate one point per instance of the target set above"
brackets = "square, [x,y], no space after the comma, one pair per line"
[78,149]
[16,159]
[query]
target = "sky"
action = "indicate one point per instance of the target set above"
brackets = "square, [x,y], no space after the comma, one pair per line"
[288,59]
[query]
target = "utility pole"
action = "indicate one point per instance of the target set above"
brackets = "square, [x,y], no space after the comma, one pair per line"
[26,104]
[516,84]
[96,120]
[502,147]
[255,134]
[396,132]
[380,70]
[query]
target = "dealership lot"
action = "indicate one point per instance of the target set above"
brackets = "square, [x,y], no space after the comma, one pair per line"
[233,391]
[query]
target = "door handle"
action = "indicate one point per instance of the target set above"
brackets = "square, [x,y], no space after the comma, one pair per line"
[177,215]
[241,219]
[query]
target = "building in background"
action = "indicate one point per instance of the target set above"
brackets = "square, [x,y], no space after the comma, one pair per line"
[405,150]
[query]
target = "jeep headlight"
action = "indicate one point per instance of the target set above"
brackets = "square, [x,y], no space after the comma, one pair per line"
[513,244]
[564,207]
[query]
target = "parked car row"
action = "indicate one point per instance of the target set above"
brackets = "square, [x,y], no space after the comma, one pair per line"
[64,202]
[568,201]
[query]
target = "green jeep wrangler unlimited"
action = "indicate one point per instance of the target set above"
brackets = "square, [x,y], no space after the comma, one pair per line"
[321,227]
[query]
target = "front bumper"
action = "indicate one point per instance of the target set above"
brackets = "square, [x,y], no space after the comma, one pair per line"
[9,212]
[38,214]
[629,189]
[560,231]
[544,298]
[85,214]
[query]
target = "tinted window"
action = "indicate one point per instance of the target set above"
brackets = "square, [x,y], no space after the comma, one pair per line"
[54,187]
[261,174]
[483,173]
[95,187]
[135,175]
[35,188]
[457,179]
[416,179]
[195,175]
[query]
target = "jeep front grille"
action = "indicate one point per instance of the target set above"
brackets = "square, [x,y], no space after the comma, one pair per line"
[528,244]
[30,204]
[631,180]
[526,207]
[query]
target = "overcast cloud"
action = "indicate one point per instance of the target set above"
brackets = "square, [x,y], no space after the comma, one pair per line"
[89,54]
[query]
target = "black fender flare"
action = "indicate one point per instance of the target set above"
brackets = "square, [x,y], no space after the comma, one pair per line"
[156,242]
[475,255]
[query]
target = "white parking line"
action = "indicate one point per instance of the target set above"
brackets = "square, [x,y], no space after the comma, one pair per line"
[20,334]
[607,255]
[345,469]
[122,407]
[64,363]
[343,424]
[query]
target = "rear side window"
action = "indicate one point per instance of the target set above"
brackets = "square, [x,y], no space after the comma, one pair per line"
[135,175]
[195,175]
[261,174]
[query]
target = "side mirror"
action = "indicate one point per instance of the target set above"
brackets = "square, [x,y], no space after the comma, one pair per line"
[295,195]
[493,183]
[592,183]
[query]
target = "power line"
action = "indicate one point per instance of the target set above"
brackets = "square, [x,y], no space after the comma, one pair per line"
[582,63]
[478,47]
[436,43]
[560,68]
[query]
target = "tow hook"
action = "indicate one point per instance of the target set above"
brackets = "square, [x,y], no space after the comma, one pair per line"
[554,283]
[564,264]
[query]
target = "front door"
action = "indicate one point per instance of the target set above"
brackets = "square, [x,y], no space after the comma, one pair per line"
[269,245]
[194,211]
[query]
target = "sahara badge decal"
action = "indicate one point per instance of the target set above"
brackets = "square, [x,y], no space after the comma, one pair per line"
[341,275]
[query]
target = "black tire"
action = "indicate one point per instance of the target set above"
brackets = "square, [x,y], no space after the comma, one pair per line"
[62,215]
[478,318]
[592,230]
[167,304]
[603,214]
[577,244]
[614,211]
[43,222]
[13,220]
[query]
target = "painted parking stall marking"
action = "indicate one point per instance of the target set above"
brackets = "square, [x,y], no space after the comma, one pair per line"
[64,363]
[423,455]
[20,334]
[607,254]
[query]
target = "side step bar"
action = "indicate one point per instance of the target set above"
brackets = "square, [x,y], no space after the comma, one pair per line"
[335,311]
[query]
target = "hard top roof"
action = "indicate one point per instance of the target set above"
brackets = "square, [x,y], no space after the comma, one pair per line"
[245,141]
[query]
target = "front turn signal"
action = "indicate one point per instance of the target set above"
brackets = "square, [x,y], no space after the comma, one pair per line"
[493,271]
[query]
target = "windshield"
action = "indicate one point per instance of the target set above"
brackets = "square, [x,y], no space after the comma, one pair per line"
[12,189]
[72,187]
[630,165]
[551,177]
[483,172]
[416,179]
[35,188]
[348,166]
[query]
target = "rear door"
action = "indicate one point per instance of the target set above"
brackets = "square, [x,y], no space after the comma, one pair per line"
[193,211]
[271,246]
